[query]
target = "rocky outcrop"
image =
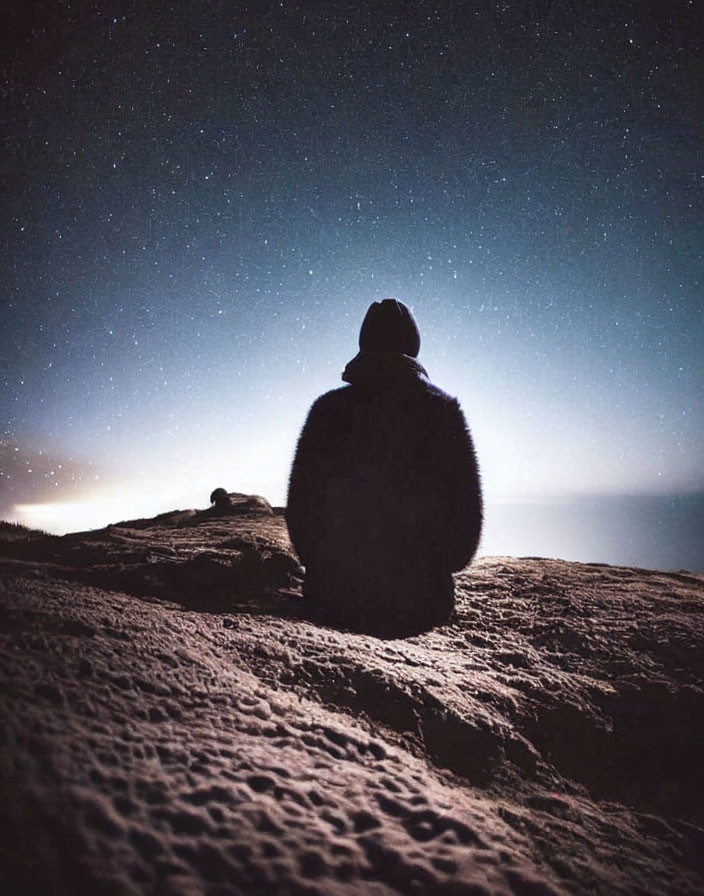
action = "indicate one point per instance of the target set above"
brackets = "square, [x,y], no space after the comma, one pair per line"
[173,723]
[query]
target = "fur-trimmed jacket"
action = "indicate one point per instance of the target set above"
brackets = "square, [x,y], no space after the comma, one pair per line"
[384,498]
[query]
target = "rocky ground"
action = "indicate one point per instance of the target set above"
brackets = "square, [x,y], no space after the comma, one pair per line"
[172,723]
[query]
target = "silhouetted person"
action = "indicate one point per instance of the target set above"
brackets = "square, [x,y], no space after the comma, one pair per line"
[384,498]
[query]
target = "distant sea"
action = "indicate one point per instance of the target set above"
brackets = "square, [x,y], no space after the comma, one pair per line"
[655,532]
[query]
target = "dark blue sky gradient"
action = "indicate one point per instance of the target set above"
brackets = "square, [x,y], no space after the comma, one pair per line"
[201,200]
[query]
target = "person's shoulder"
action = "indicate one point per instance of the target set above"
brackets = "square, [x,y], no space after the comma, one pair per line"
[437,395]
[329,401]
[435,391]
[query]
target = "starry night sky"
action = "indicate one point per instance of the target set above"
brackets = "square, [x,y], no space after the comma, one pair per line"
[202,199]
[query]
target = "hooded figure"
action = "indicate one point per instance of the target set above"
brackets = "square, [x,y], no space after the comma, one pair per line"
[384,499]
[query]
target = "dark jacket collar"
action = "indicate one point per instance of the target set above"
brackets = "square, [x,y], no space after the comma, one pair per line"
[383,368]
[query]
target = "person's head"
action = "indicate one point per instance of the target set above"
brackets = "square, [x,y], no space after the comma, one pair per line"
[389,326]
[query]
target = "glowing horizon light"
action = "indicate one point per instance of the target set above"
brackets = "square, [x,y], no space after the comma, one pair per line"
[60,518]
[135,499]
[56,517]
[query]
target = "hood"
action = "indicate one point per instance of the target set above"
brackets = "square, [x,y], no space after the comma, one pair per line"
[383,368]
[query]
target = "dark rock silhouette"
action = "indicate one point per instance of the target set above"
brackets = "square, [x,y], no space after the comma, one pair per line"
[220,498]
[235,503]
[171,724]
[384,498]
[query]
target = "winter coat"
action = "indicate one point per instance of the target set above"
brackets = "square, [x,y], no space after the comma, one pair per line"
[384,498]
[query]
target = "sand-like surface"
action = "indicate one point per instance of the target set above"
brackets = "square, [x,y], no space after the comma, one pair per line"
[173,724]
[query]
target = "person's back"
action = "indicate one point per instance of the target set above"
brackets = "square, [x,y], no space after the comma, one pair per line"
[384,497]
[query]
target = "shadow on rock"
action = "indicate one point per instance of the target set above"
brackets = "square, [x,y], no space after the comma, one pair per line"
[211,581]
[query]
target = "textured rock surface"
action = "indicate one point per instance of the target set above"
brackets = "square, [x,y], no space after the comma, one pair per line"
[172,724]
